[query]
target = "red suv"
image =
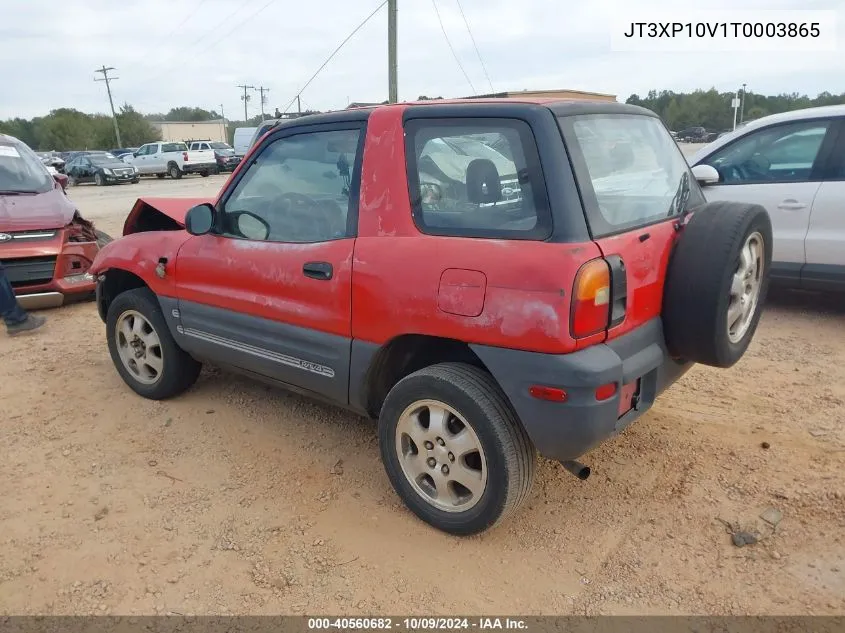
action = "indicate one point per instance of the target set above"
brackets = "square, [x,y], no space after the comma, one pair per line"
[488,279]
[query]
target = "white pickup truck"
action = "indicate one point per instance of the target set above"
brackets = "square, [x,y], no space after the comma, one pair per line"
[172,159]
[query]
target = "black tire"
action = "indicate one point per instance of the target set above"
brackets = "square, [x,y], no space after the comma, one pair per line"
[179,369]
[99,180]
[510,455]
[174,171]
[160,175]
[698,283]
[204,174]
[103,238]
[136,181]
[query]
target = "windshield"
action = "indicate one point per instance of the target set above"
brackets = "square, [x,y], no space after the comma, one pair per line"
[21,171]
[635,167]
[102,159]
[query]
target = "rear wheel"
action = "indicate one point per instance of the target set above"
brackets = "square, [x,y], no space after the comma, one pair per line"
[717,283]
[174,171]
[160,175]
[143,350]
[204,174]
[453,448]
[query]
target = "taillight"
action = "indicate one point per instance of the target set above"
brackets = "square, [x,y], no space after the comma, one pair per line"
[591,299]
[185,156]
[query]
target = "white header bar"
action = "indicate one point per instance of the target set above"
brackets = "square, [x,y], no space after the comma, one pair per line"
[717,31]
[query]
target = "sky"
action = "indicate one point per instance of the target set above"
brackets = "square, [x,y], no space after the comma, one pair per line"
[171,53]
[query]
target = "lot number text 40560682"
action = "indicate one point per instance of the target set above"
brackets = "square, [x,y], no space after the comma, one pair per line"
[416,623]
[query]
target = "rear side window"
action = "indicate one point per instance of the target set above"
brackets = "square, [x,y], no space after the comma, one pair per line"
[630,170]
[476,178]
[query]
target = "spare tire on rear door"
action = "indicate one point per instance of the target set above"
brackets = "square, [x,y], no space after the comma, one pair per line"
[716,283]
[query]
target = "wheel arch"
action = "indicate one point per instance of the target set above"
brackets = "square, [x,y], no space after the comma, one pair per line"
[111,283]
[375,369]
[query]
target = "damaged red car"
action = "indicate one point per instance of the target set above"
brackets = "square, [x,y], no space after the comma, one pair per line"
[46,246]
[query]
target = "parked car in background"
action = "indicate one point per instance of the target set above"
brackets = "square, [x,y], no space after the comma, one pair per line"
[242,140]
[101,169]
[122,151]
[794,165]
[46,246]
[262,129]
[692,135]
[223,153]
[52,159]
[172,159]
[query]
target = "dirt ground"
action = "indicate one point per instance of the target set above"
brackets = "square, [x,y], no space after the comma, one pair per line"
[236,498]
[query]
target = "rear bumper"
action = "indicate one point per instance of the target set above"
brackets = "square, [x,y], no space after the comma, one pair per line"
[193,168]
[567,430]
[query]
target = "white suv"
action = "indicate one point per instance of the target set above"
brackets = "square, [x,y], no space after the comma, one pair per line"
[794,165]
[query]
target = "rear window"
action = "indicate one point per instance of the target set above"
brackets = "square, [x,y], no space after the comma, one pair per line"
[629,168]
[476,178]
[174,147]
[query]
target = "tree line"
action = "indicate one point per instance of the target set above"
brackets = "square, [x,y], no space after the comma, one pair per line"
[712,110]
[69,129]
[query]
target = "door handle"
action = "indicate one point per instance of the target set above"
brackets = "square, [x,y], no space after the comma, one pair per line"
[318,270]
[791,205]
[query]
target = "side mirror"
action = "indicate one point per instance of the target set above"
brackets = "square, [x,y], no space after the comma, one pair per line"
[61,179]
[705,174]
[251,226]
[200,219]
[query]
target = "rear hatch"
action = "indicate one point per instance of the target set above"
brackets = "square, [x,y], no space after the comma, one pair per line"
[634,181]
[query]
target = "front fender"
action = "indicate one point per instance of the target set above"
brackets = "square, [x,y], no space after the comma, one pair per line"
[140,254]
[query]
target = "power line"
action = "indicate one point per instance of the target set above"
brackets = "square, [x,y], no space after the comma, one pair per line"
[198,40]
[187,17]
[451,48]
[105,72]
[478,52]
[335,52]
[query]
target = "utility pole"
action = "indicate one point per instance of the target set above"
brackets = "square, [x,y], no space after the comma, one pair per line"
[245,99]
[225,129]
[392,80]
[298,106]
[262,90]
[735,106]
[107,79]
[742,111]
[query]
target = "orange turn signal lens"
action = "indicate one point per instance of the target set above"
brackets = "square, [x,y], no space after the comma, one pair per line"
[591,299]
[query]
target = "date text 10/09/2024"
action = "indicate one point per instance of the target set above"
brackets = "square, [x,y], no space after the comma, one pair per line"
[416,624]
[723,29]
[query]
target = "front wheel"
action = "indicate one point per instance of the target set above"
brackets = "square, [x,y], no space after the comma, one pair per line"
[143,350]
[99,180]
[204,174]
[454,449]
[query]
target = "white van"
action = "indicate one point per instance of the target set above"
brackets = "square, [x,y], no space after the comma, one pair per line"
[243,140]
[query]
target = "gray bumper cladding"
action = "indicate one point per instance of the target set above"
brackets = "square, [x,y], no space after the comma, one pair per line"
[567,430]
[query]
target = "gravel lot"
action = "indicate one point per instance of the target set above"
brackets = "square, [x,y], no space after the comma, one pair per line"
[236,498]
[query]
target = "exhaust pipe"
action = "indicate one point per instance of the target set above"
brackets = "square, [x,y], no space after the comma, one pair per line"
[577,468]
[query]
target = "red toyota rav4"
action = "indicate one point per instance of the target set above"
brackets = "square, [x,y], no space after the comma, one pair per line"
[488,279]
